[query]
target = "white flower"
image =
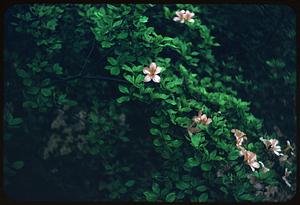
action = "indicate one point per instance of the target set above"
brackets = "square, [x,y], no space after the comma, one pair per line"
[272,145]
[151,73]
[264,169]
[203,119]
[284,177]
[183,16]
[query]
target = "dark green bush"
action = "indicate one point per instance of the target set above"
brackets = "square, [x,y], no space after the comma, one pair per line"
[95,130]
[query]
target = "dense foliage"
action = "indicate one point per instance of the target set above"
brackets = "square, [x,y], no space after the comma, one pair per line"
[87,122]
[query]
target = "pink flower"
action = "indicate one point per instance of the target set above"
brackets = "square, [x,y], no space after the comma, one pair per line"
[151,73]
[203,119]
[184,16]
[272,145]
[283,159]
[239,136]
[250,158]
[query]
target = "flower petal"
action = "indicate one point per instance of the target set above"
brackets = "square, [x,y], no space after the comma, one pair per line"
[146,70]
[156,79]
[147,78]
[208,121]
[176,18]
[255,164]
[152,66]
[158,69]
[178,13]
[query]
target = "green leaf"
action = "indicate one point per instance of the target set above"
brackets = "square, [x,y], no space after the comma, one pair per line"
[139,79]
[176,143]
[112,61]
[129,78]
[154,131]
[122,35]
[27,82]
[206,167]
[171,197]
[51,24]
[123,99]
[143,19]
[115,70]
[57,69]
[197,139]
[192,162]
[155,188]
[18,165]
[182,185]
[203,197]
[29,104]
[150,196]
[171,101]
[233,155]
[22,73]
[106,44]
[159,96]
[15,121]
[130,183]
[46,91]
[123,89]
[157,142]
[246,197]
[127,68]
[201,188]
[117,23]
[155,120]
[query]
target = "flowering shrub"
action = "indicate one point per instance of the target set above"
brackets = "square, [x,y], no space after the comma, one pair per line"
[137,105]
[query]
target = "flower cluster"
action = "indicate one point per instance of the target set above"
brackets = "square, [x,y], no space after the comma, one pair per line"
[65,137]
[249,157]
[153,70]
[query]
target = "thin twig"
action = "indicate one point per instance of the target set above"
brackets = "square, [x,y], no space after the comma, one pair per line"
[86,60]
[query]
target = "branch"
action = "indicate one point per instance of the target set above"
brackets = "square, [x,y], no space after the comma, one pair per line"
[86,60]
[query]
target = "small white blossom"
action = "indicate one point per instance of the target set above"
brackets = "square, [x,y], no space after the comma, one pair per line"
[284,177]
[250,158]
[264,169]
[272,145]
[184,16]
[152,73]
[203,119]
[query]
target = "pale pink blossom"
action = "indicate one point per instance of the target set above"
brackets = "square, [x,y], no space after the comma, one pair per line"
[272,145]
[264,169]
[203,119]
[289,147]
[239,136]
[270,191]
[151,73]
[250,158]
[183,16]
[284,177]
[283,159]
